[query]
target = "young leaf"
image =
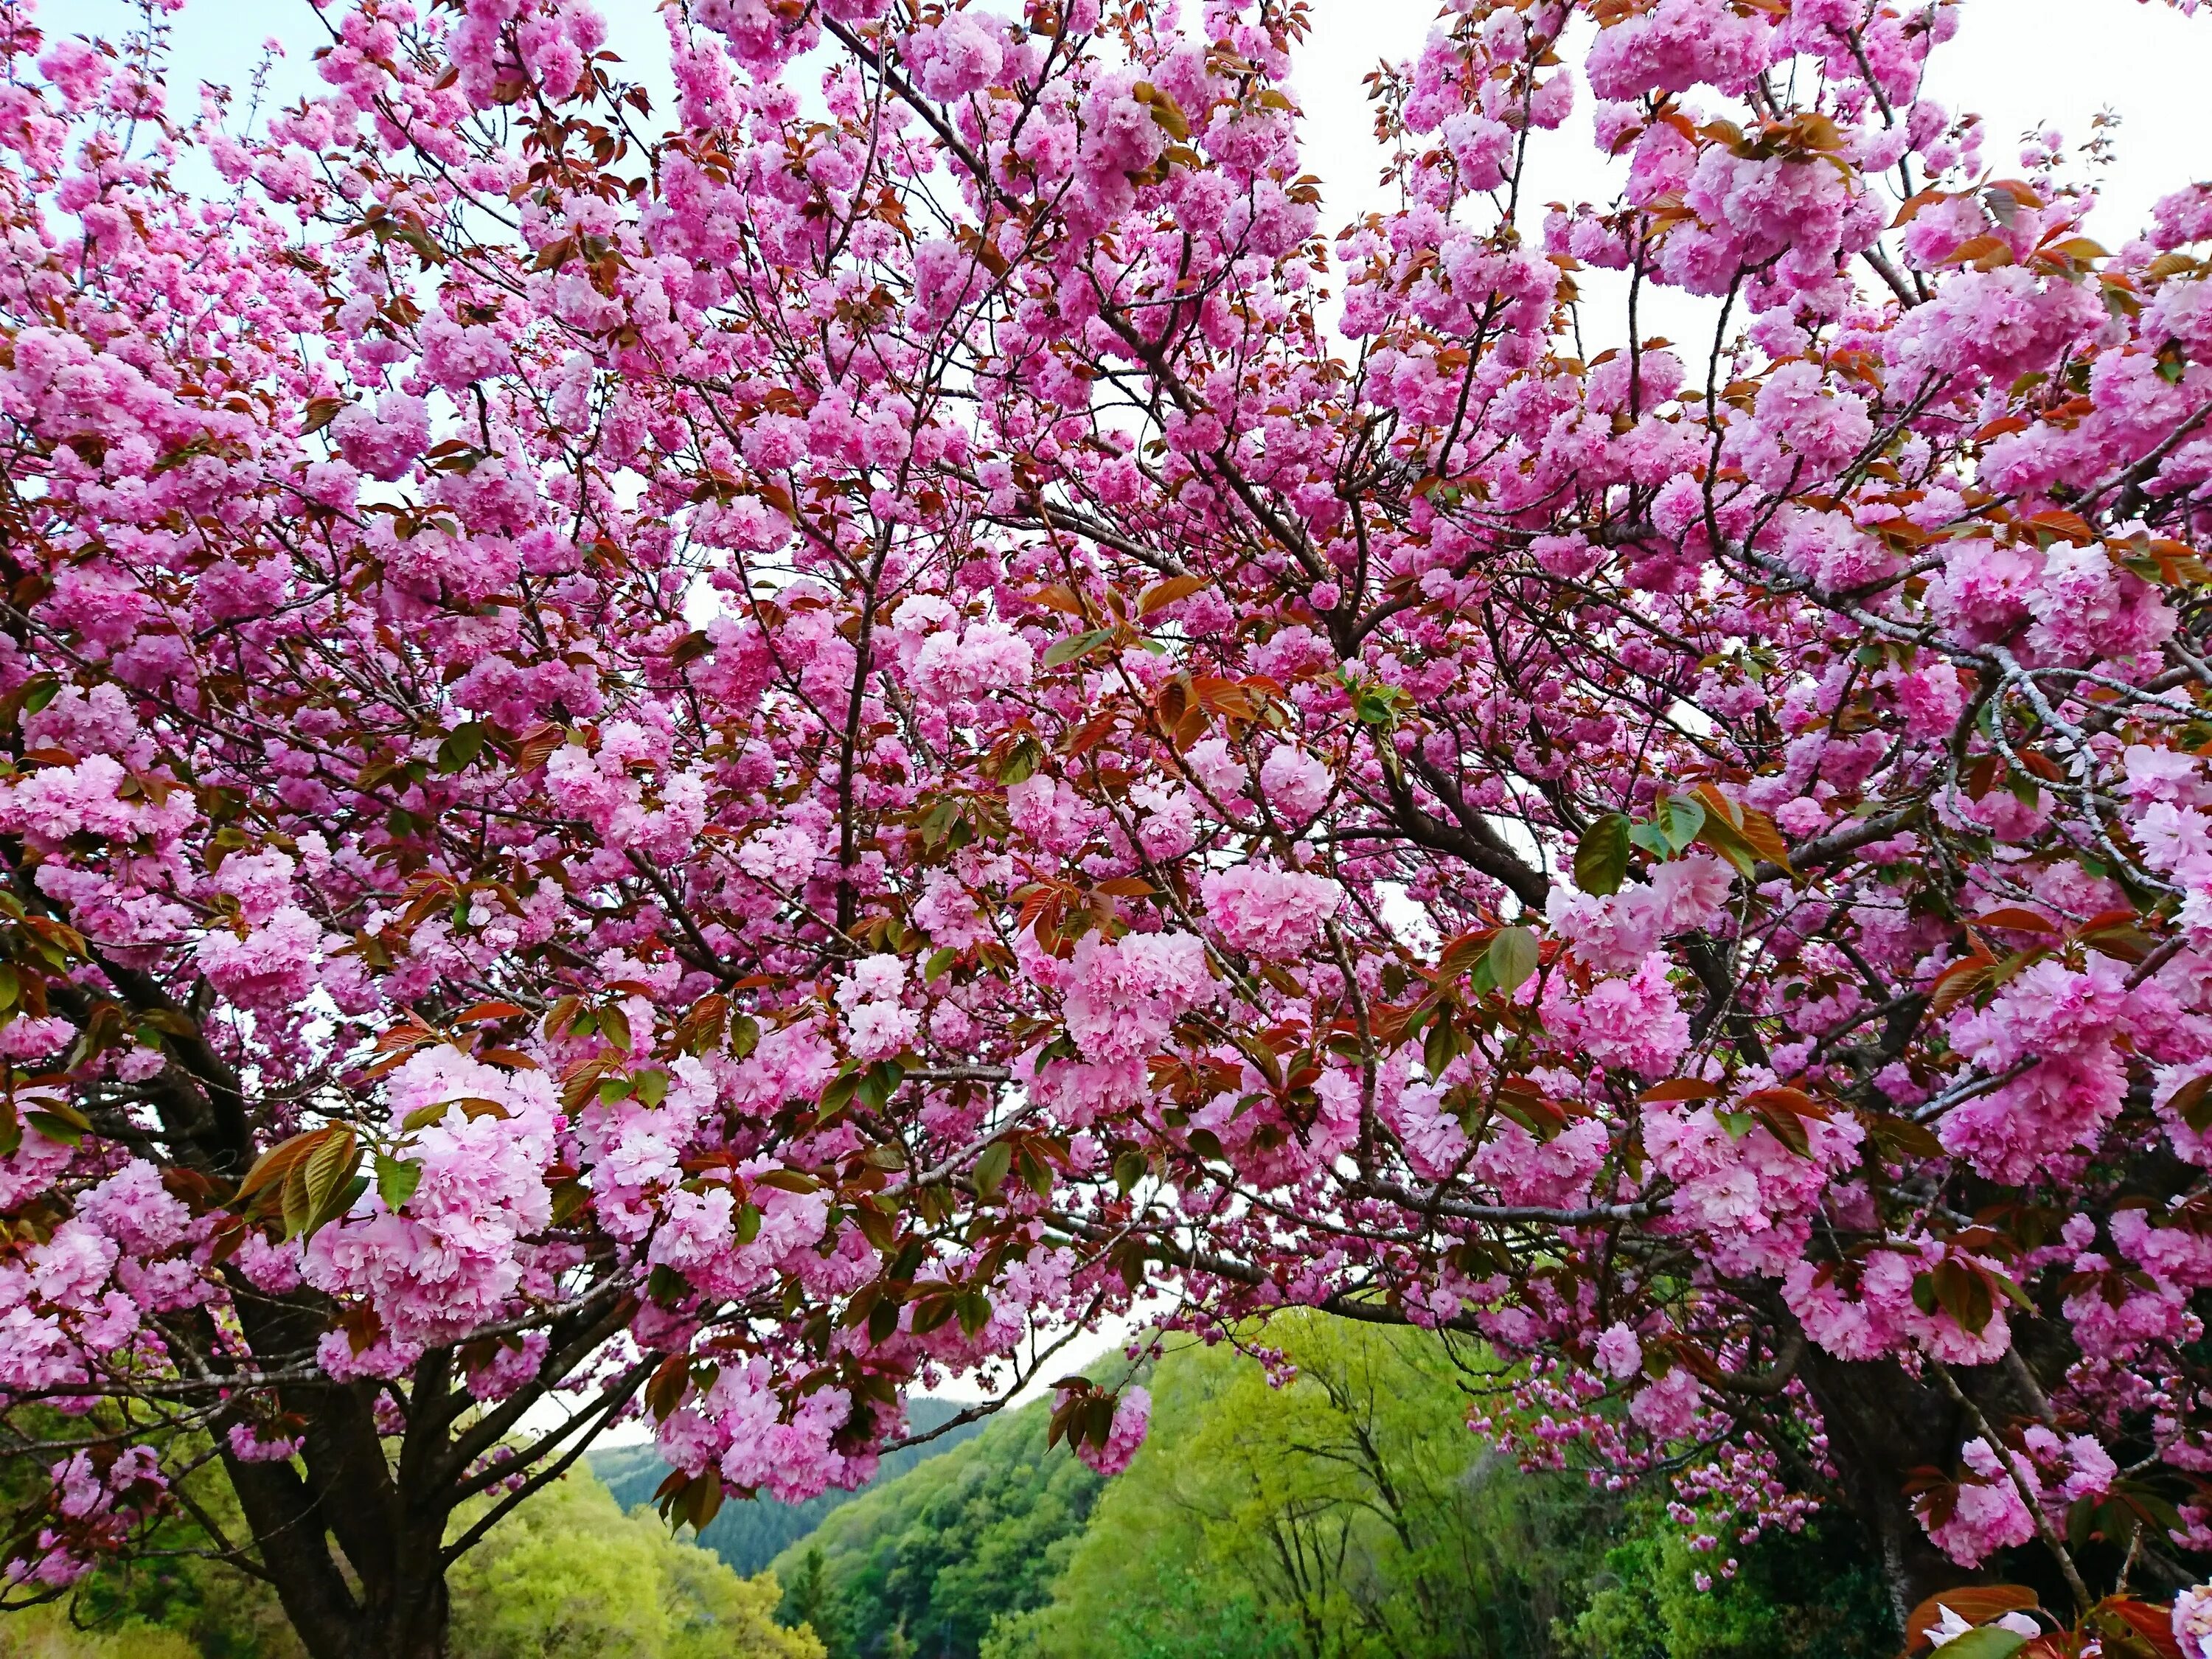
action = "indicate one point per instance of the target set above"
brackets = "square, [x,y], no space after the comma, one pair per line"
[1160,595]
[992,1167]
[397,1179]
[1679,819]
[1989,1642]
[1512,958]
[1601,856]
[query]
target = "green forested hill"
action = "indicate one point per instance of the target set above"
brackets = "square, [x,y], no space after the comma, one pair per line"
[925,1565]
[1347,1515]
[748,1534]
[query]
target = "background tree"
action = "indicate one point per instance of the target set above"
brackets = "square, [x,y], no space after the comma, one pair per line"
[936,1557]
[572,1575]
[722,765]
[1344,1512]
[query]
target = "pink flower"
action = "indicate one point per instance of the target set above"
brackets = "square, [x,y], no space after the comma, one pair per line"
[272,966]
[1676,45]
[384,441]
[1132,1414]
[1268,911]
[1296,784]
[1989,1515]
[955,57]
[2192,1621]
[1434,1140]
[248,1445]
[1637,1023]
[983,657]
[1123,998]
[876,1026]
[1667,1409]
[1619,1353]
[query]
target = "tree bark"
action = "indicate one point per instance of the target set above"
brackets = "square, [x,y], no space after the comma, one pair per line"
[1882,1426]
[399,1610]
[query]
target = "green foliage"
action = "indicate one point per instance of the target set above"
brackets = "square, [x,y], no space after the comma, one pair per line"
[45,1633]
[170,1603]
[811,1601]
[1348,1515]
[924,1565]
[750,1534]
[1814,1595]
[570,1577]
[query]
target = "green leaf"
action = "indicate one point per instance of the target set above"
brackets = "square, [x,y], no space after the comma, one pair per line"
[54,1127]
[1129,1167]
[614,1025]
[1724,838]
[1989,1641]
[938,963]
[329,1166]
[1679,819]
[397,1179]
[1964,1294]
[2192,1103]
[975,1310]
[1443,1044]
[423,1116]
[461,747]
[569,1198]
[1035,1173]
[749,1223]
[1601,856]
[839,1094]
[929,1313]
[1022,761]
[1512,958]
[651,1087]
[329,1182]
[881,1082]
[991,1168]
[745,1036]
[1076,645]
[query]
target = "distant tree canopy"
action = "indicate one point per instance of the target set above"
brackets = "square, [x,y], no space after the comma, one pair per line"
[937,1556]
[1343,1514]
[1346,1514]
[571,1577]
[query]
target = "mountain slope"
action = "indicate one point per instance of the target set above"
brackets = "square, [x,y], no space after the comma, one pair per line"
[922,1565]
[748,1534]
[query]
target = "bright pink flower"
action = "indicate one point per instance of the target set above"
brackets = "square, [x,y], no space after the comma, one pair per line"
[1269,911]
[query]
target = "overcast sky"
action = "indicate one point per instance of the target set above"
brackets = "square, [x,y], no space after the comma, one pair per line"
[2021,63]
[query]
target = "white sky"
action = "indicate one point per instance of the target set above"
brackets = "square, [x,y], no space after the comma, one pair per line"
[2022,64]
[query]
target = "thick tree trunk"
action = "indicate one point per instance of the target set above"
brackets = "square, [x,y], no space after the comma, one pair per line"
[1882,1426]
[398,1608]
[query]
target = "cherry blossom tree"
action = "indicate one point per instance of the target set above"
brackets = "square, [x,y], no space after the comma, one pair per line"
[712,764]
